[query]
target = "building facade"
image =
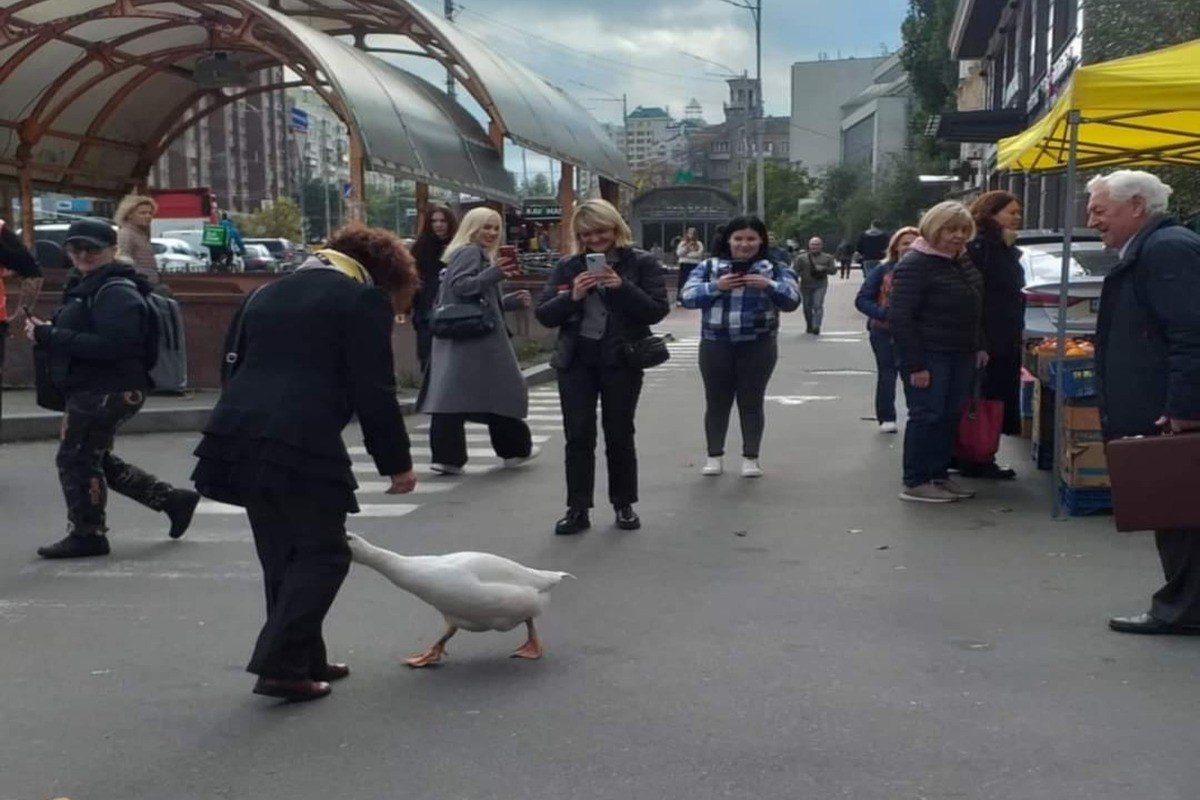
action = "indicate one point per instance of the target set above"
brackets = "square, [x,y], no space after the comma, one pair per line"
[875,122]
[819,88]
[719,154]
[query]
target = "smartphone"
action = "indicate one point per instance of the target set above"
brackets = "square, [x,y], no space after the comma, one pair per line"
[508,252]
[740,267]
[596,262]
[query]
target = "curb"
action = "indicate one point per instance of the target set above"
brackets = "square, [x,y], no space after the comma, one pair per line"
[44,425]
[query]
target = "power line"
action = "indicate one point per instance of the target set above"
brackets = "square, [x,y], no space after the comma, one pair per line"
[625,64]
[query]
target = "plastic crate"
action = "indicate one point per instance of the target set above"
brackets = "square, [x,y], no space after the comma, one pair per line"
[1085,502]
[1043,455]
[1027,388]
[1079,377]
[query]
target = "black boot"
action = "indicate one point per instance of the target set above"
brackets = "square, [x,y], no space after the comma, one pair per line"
[990,471]
[627,520]
[180,506]
[576,521]
[76,546]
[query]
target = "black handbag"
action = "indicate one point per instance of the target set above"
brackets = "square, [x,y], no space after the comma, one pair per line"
[46,394]
[457,321]
[646,353]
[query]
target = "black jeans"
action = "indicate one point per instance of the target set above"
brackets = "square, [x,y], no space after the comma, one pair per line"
[933,415]
[741,371]
[448,437]
[87,466]
[617,388]
[301,544]
[424,339]
[885,369]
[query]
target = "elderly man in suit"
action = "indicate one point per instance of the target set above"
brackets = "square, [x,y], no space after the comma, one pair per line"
[1148,358]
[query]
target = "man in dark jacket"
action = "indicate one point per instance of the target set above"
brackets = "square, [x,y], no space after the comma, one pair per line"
[15,259]
[1148,359]
[97,346]
[872,246]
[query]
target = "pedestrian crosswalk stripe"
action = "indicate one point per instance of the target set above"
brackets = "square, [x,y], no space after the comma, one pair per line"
[209,507]
[538,427]
[423,487]
[469,469]
[359,450]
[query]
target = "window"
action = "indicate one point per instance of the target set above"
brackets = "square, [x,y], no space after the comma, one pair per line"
[1039,13]
[1066,12]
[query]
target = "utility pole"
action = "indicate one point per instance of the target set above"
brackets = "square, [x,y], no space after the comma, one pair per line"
[325,173]
[761,120]
[449,9]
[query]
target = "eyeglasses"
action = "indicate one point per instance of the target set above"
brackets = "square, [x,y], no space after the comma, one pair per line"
[83,249]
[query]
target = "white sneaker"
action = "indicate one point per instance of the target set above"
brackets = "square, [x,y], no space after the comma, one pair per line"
[534,452]
[714,466]
[888,427]
[751,469]
[445,469]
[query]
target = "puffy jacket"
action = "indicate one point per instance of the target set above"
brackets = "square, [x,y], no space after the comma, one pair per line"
[875,295]
[98,340]
[936,305]
[1003,303]
[1148,332]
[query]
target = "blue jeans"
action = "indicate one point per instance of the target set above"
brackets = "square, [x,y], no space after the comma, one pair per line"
[885,368]
[814,305]
[933,415]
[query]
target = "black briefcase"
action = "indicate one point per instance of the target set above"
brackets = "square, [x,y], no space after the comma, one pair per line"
[1155,482]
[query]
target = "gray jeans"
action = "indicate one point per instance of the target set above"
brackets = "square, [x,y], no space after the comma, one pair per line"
[814,306]
[736,370]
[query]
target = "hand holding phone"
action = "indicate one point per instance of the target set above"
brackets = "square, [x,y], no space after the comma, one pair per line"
[596,263]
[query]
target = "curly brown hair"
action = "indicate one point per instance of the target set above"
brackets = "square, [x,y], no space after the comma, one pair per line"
[384,256]
[985,208]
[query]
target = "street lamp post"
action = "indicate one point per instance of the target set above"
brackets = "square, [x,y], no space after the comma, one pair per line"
[755,9]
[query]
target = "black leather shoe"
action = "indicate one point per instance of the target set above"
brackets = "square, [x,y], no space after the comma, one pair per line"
[76,546]
[297,691]
[331,672]
[990,471]
[1146,624]
[627,520]
[576,521]
[181,505]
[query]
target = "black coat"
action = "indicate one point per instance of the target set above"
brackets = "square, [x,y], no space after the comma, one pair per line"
[1148,332]
[936,306]
[316,350]
[639,302]
[99,342]
[429,267]
[1003,302]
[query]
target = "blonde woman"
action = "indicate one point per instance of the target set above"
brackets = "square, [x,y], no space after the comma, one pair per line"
[936,318]
[476,379]
[597,312]
[134,214]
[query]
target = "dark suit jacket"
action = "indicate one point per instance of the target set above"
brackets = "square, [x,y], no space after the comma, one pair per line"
[1148,332]
[639,302]
[316,351]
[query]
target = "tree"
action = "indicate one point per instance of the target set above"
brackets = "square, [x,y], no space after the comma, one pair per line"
[281,219]
[931,70]
[315,195]
[538,187]
[785,185]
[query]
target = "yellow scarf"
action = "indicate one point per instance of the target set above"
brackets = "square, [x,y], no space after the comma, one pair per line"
[344,264]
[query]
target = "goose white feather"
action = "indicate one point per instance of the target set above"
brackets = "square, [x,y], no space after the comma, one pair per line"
[473,591]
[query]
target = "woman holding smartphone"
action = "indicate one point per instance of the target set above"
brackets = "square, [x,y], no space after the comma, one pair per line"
[477,379]
[741,292]
[601,298]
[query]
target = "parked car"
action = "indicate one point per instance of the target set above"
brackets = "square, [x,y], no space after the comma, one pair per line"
[1090,262]
[49,236]
[176,255]
[288,254]
[259,259]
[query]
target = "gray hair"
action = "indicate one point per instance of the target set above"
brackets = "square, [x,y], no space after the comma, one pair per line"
[1126,184]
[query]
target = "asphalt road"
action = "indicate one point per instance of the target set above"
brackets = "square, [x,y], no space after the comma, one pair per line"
[805,635]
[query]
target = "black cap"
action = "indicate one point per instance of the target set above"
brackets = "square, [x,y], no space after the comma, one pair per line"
[95,232]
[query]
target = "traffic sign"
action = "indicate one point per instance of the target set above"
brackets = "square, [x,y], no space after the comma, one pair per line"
[298,119]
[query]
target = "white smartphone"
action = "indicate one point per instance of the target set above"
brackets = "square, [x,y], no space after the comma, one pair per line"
[596,262]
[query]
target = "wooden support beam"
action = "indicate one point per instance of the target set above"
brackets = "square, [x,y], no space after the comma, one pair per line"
[358,180]
[610,191]
[422,197]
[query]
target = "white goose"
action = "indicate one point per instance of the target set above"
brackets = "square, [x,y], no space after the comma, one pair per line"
[473,591]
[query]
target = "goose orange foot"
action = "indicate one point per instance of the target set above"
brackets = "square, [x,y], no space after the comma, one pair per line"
[430,656]
[532,649]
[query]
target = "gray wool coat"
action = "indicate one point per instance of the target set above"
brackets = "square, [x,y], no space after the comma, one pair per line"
[475,376]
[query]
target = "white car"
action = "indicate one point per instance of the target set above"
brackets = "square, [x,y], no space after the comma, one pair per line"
[176,255]
[1090,262]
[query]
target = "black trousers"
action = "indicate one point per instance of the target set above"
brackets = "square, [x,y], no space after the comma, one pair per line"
[301,544]
[87,466]
[617,388]
[448,437]
[1178,602]
[424,339]
[741,371]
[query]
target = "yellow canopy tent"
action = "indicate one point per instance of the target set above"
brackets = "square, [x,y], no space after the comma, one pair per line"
[1143,110]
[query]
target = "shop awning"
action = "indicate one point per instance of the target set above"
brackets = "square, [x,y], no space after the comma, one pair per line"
[1143,110]
[981,127]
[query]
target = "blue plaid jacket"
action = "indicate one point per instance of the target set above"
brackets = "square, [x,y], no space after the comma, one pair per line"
[741,315]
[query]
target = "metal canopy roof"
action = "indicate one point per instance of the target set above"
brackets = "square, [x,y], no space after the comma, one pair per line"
[92,91]
[530,111]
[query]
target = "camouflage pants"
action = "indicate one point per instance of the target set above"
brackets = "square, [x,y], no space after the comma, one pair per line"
[87,466]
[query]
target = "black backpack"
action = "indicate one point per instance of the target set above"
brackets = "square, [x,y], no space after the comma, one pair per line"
[158,319]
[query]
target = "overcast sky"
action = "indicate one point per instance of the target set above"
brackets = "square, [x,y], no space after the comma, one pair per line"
[636,47]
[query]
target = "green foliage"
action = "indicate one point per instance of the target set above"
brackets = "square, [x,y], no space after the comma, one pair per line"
[538,187]
[785,186]
[932,72]
[280,219]
[388,210]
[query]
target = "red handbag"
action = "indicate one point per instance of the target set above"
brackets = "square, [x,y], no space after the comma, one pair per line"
[979,427]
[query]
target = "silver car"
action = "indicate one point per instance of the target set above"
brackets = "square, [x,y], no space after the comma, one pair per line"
[1090,262]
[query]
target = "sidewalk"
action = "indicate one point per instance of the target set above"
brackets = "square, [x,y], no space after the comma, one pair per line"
[24,421]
